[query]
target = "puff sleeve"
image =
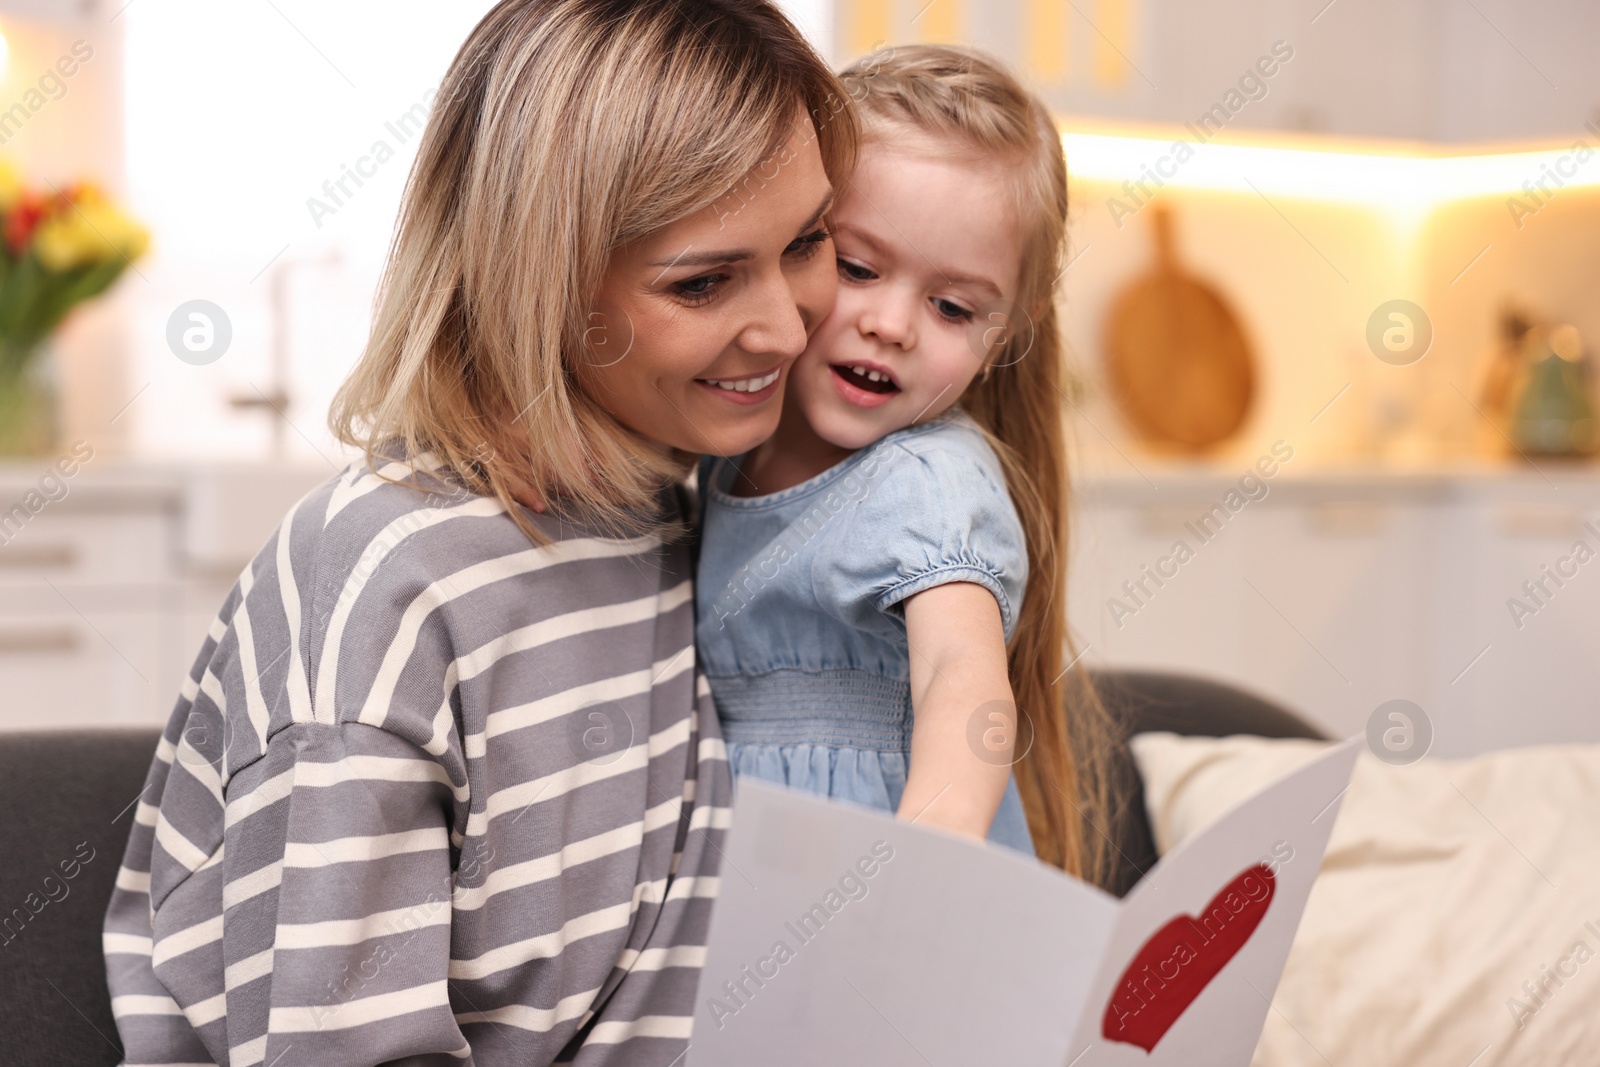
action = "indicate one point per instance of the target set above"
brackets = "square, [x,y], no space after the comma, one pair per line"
[917,514]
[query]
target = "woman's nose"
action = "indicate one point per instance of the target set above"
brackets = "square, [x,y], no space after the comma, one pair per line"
[777,326]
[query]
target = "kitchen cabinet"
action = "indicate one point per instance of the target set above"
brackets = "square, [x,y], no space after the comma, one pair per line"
[1423,70]
[88,666]
[86,588]
[107,590]
[72,12]
[1338,592]
[1538,678]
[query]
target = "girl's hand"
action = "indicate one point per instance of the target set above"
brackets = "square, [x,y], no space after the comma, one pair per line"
[960,755]
[524,493]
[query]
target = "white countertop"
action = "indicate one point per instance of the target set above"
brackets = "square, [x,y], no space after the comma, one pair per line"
[224,509]
[1149,479]
[119,481]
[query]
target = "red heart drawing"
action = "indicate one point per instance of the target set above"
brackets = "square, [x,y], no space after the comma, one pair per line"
[1180,959]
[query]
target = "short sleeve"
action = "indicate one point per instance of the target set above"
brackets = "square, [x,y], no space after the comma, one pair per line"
[920,514]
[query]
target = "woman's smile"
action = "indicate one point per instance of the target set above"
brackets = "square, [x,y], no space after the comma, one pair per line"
[721,304]
[751,389]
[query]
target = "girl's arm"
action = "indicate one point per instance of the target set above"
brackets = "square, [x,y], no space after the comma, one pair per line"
[964,729]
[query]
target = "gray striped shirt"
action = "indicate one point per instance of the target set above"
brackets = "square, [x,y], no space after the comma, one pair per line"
[430,795]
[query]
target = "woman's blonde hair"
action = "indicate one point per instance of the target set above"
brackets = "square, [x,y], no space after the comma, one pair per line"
[960,95]
[563,130]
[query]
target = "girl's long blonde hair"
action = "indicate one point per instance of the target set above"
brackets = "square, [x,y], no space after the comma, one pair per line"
[562,130]
[961,95]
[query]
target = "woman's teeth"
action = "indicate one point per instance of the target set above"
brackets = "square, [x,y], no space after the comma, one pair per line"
[744,385]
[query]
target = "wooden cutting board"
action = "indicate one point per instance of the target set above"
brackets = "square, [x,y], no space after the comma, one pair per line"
[1179,362]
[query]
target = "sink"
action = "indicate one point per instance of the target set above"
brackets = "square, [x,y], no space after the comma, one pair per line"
[231,508]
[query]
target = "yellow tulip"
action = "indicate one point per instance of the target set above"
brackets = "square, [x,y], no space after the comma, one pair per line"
[87,232]
[10,184]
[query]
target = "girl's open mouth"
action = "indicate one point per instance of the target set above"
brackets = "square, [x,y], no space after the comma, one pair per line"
[865,378]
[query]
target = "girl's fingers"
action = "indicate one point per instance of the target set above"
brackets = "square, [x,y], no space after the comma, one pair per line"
[525,494]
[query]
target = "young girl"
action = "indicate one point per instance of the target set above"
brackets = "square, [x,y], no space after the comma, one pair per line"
[881,602]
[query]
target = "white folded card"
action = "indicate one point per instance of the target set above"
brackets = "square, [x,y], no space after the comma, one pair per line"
[844,936]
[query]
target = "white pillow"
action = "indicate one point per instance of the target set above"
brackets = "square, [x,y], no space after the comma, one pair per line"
[1447,885]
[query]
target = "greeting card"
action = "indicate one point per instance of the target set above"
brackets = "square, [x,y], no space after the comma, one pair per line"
[842,935]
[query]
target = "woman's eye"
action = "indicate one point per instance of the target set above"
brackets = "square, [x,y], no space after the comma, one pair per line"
[952,312]
[701,290]
[803,248]
[854,271]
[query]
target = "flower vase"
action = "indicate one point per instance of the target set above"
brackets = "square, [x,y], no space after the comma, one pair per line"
[29,412]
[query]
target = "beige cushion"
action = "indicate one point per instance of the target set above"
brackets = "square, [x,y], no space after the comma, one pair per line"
[1446,886]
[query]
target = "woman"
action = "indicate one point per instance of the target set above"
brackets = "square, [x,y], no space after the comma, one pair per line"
[445,786]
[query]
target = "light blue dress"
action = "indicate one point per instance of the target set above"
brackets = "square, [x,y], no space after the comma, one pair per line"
[800,627]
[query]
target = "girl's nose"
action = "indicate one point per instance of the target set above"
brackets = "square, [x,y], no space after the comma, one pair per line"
[890,321]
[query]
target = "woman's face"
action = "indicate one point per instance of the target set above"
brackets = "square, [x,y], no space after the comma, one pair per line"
[696,325]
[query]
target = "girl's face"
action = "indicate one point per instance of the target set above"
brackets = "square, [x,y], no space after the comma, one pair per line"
[695,326]
[929,254]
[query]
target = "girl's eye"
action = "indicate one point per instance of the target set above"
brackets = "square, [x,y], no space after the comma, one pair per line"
[701,290]
[803,248]
[951,312]
[854,272]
